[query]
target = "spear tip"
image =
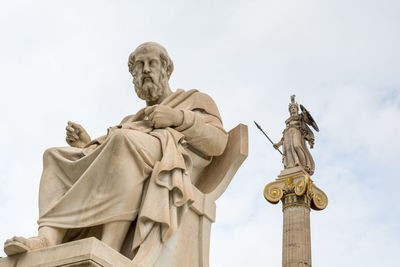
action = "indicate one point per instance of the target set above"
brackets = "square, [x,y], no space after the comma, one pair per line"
[258,126]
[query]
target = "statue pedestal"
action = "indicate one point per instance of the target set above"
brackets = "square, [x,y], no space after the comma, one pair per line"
[298,194]
[89,252]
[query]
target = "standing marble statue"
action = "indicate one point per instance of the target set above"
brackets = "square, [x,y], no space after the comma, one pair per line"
[295,135]
[142,170]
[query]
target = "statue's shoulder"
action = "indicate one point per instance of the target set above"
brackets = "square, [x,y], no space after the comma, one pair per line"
[201,97]
[189,97]
[202,101]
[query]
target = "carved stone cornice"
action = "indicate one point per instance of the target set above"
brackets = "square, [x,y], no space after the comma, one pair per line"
[296,190]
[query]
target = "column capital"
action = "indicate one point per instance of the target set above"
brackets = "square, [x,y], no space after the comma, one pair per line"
[296,190]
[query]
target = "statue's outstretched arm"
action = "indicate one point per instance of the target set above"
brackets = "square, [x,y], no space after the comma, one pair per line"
[277,145]
[76,135]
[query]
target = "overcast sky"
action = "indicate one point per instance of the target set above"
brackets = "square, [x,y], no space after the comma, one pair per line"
[67,60]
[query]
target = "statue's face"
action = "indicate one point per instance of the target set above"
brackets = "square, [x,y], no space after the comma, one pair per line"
[293,110]
[149,75]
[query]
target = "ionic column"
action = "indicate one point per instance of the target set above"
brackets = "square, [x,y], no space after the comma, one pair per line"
[296,245]
[298,194]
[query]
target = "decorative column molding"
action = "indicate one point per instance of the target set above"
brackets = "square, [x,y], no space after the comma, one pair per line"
[298,194]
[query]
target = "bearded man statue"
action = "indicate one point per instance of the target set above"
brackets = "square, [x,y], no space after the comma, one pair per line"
[142,171]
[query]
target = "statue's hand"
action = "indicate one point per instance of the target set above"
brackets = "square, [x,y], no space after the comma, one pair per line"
[311,144]
[163,116]
[76,135]
[276,146]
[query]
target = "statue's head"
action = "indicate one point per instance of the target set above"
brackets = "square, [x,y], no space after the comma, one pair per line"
[151,68]
[293,106]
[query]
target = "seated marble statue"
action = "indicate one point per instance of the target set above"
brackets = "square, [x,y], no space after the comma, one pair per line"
[142,170]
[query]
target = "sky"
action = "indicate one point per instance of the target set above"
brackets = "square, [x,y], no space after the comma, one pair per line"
[67,60]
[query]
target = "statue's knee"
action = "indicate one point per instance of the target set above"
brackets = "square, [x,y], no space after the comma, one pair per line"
[119,135]
[297,143]
[135,138]
[48,153]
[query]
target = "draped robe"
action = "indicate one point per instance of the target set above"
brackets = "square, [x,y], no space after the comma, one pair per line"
[294,140]
[135,172]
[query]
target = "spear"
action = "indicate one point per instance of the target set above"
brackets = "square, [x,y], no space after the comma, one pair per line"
[259,127]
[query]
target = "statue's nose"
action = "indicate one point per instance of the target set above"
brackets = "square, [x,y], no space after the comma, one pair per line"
[146,69]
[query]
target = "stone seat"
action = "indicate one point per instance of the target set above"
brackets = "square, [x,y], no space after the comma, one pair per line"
[188,247]
[190,244]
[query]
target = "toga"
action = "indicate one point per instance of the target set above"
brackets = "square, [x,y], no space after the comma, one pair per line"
[135,172]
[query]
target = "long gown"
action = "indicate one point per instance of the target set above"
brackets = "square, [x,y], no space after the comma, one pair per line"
[295,150]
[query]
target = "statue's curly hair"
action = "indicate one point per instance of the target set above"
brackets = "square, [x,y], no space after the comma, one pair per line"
[164,57]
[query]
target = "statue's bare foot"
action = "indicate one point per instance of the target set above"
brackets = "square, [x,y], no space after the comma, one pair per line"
[19,244]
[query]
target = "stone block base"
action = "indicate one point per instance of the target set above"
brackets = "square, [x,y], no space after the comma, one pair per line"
[89,252]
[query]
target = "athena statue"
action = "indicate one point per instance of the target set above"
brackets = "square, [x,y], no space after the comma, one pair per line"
[295,135]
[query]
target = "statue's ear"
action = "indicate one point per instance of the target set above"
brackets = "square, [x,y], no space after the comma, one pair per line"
[170,69]
[131,60]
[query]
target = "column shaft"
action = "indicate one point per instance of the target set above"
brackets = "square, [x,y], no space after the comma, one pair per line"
[296,251]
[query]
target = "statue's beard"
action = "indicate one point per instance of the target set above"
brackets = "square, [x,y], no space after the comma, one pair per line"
[150,89]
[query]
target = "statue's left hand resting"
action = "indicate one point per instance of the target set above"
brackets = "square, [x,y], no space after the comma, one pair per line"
[162,116]
[76,135]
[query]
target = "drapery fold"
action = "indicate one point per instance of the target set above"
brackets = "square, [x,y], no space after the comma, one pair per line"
[135,172]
